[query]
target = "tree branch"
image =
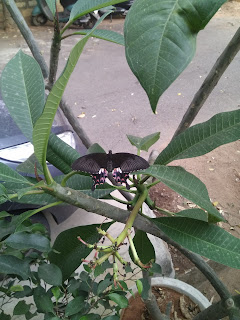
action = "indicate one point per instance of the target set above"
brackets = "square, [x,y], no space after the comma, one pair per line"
[27,34]
[90,204]
[210,82]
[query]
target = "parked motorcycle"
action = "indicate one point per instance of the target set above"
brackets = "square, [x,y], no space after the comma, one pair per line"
[41,14]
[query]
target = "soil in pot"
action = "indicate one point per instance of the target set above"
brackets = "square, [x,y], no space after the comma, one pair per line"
[182,307]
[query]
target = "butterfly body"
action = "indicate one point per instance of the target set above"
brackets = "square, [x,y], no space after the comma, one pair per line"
[99,164]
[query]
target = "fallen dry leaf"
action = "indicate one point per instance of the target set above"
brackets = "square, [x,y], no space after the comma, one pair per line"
[82,115]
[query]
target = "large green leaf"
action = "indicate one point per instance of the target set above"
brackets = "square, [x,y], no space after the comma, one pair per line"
[13,265]
[186,184]
[43,125]
[205,239]
[22,240]
[82,7]
[107,35]
[59,154]
[23,91]
[203,138]
[160,39]
[42,300]
[50,273]
[9,175]
[52,6]
[71,250]
[144,247]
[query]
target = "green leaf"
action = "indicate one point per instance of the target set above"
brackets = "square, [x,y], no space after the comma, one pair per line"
[103,285]
[144,247]
[156,268]
[4,316]
[98,270]
[38,199]
[139,286]
[4,214]
[84,184]
[186,184]
[195,213]
[202,138]
[6,228]
[96,148]
[74,306]
[27,291]
[52,6]
[28,166]
[91,316]
[23,91]
[21,308]
[71,250]
[22,240]
[81,7]
[14,266]
[205,239]
[144,143]
[50,273]
[16,288]
[107,35]
[160,40]
[42,128]
[59,152]
[8,174]
[146,287]
[120,300]
[112,318]
[42,300]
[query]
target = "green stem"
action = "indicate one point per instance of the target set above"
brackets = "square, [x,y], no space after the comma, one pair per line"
[134,252]
[46,172]
[133,215]
[168,213]
[66,177]
[151,184]
[121,201]
[15,195]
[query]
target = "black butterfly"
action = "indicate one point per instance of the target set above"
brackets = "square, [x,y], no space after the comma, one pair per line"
[99,164]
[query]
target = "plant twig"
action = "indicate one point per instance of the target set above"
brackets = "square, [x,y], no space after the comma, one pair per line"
[27,34]
[90,204]
[210,82]
[54,54]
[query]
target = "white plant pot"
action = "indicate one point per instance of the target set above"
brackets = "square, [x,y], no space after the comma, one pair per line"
[179,286]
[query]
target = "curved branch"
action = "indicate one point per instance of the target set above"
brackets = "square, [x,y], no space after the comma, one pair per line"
[210,82]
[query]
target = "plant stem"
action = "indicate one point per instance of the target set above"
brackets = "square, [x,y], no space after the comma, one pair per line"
[27,34]
[210,82]
[133,215]
[90,204]
[151,302]
[54,54]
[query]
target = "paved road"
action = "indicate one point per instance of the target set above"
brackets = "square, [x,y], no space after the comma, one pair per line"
[104,88]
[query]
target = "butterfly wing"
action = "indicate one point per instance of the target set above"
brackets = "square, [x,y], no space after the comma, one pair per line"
[129,162]
[91,163]
[124,163]
[95,164]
